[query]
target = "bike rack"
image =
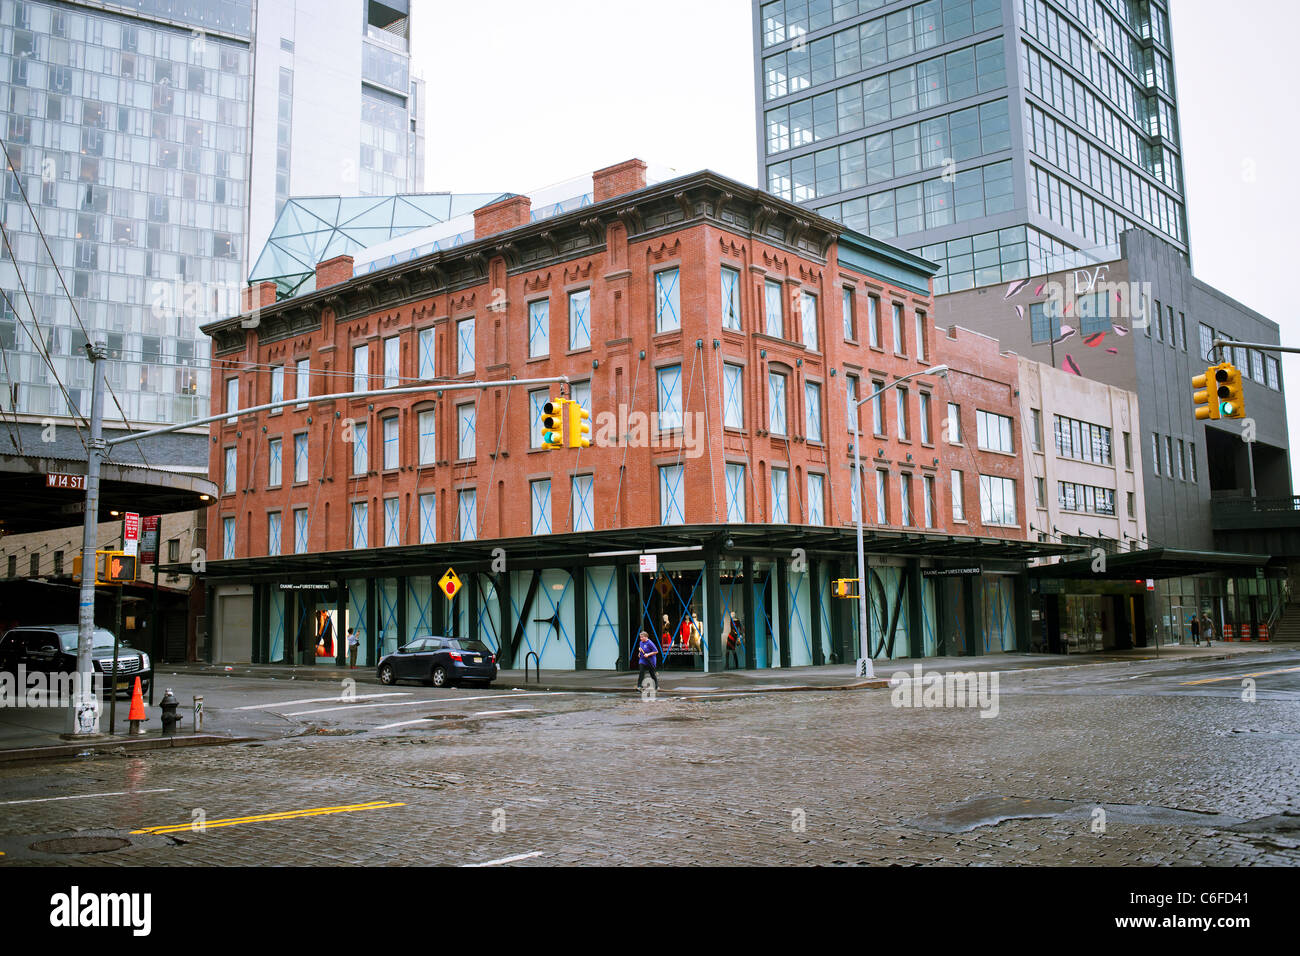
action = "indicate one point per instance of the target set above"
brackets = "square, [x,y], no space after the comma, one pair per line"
[533,655]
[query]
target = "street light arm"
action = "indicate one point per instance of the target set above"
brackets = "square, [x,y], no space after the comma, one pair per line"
[940,370]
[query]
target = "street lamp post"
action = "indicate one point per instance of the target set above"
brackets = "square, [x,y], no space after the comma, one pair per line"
[865,668]
[83,715]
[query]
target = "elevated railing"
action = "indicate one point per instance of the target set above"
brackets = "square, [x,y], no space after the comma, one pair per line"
[1239,513]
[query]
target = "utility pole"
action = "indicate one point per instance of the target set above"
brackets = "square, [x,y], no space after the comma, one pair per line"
[864,625]
[83,715]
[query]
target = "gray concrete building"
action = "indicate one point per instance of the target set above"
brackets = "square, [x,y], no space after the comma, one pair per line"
[1144,323]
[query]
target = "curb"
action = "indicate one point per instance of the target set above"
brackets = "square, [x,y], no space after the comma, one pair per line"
[119,743]
[516,684]
[860,685]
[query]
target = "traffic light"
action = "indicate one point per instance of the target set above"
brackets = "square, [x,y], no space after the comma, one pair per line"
[552,422]
[1232,402]
[578,427]
[1203,400]
[114,567]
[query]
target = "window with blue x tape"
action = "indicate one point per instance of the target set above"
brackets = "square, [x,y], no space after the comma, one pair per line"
[300,460]
[489,613]
[468,427]
[667,301]
[584,513]
[541,496]
[419,604]
[602,615]
[735,477]
[670,396]
[428,518]
[273,462]
[539,328]
[427,353]
[468,514]
[360,522]
[360,457]
[547,611]
[798,620]
[733,407]
[465,345]
[392,523]
[730,298]
[671,504]
[580,319]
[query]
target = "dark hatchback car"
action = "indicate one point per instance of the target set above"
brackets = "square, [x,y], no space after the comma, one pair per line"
[440,661]
[53,650]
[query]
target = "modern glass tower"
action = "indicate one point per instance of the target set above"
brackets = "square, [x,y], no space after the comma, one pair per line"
[156,141]
[999,138]
[126,129]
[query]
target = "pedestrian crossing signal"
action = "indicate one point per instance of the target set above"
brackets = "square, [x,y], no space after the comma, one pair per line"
[841,588]
[114,567]
[552,422]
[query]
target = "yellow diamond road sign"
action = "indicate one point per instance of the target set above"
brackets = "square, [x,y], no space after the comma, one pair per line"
[449,584]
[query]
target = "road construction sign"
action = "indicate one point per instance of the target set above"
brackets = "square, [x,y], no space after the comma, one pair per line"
[449,584]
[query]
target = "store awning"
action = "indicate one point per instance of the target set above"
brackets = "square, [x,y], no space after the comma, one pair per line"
[673,542]
[1154,563]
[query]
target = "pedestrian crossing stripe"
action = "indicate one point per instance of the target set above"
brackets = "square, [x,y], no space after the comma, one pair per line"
[194,827]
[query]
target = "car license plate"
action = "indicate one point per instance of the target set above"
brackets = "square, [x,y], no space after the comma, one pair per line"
[478,660]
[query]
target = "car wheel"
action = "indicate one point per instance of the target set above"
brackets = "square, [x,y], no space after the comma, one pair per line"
[386,675]
[439,677]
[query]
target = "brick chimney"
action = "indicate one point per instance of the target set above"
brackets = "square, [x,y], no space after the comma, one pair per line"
[257,296]
[625,177]
[333,271]
[504,214]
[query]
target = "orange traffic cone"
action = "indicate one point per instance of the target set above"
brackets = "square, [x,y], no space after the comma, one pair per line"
[136,716]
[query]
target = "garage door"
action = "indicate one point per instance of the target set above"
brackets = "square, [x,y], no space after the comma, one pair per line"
[235,643]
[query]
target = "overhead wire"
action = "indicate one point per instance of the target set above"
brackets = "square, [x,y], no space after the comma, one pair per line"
[63,283]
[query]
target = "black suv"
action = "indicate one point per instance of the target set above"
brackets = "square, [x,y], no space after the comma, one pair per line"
[53,650]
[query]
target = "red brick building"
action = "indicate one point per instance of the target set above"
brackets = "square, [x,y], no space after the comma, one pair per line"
[715,334]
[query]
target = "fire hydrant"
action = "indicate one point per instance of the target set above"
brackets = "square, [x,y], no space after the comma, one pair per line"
[169,704]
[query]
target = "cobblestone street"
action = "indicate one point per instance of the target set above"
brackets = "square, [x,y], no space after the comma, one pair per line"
[1186,771]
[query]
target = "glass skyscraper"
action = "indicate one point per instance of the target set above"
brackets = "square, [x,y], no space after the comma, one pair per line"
[156,141]
[129,136]
[999,138]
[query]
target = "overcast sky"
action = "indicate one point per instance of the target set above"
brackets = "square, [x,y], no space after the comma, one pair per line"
[524,93]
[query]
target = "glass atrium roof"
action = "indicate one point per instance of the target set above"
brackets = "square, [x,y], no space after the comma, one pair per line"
[312,229]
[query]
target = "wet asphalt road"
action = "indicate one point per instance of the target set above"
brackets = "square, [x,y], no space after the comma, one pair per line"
[1198,763]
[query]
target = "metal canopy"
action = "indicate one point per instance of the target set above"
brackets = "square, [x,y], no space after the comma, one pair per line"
[1153,563]
[27,505]
[735,541]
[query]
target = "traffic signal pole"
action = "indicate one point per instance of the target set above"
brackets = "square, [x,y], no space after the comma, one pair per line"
[83,714]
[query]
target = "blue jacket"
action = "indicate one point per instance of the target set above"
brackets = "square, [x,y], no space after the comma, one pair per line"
[648,651]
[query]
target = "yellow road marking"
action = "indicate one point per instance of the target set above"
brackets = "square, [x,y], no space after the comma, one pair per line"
[267,817]
[1211,680]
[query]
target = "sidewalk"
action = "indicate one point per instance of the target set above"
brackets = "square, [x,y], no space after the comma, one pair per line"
[827,677]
